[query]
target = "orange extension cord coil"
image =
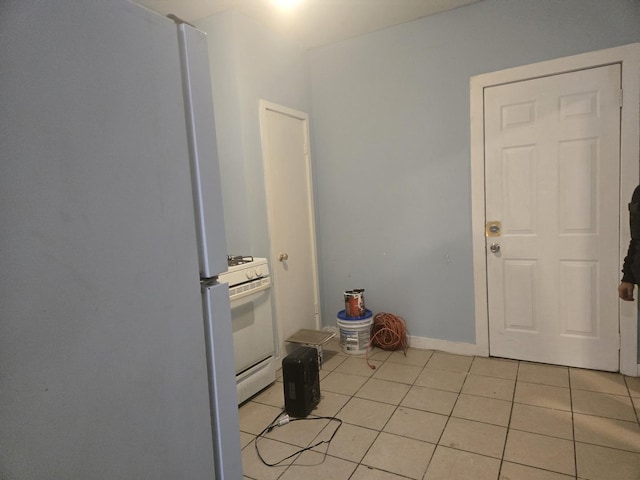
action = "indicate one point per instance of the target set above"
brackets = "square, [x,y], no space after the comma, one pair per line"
[388,332]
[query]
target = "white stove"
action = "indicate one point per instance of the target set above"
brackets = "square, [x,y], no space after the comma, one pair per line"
[252,322]
[246,276]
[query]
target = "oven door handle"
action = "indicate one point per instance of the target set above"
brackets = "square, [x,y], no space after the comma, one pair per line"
[235,297]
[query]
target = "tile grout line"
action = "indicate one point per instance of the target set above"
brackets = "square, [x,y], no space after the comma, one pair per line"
[424,367]
[382,428]
[573,425]
[466,376]
[394,411]
[513,401]
[351,397]
[378,431]
[397,406]
[633,405]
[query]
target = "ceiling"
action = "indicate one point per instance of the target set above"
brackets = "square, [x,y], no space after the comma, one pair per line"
[313,22]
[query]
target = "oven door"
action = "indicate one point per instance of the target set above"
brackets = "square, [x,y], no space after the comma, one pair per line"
[253,330]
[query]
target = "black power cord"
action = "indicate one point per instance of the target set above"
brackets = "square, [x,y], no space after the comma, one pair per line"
[281,420]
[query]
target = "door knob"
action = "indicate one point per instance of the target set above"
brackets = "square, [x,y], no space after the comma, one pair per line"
[283,256]
[495,247]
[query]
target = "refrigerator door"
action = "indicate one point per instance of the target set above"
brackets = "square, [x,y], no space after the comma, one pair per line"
[205,169]
[222,381]
[103,367]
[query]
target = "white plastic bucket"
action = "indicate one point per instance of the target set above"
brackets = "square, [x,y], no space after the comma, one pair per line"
[355,332]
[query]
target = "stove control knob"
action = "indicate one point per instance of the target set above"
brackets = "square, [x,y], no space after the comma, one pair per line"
[258,271]
[251,273]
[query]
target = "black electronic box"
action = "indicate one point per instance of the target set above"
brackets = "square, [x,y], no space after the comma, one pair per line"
[301,378]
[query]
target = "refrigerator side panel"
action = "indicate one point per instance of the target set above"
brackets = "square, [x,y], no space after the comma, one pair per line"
[205,169]
[103,371]
[222,381]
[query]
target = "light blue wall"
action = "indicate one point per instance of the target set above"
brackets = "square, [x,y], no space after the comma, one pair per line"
[390,141]
[390,127]
[249,62]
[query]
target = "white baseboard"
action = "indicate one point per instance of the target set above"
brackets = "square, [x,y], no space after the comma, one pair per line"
[457,348]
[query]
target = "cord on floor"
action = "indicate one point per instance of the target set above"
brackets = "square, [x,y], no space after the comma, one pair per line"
[281,420]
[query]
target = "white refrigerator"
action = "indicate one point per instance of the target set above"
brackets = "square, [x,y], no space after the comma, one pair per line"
[116,357]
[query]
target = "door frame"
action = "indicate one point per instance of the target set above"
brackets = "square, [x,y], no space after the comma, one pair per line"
[629,58]
[264,107]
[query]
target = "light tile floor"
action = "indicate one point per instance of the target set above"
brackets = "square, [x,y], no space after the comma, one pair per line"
[436,416]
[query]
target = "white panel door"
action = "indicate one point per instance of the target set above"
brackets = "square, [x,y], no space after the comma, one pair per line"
[552,181]
[285,144]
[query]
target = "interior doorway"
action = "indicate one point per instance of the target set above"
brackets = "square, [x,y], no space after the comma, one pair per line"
[517,291]
[290,212]
[552,170]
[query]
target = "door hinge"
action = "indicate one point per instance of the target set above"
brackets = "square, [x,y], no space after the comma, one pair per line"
[620,96]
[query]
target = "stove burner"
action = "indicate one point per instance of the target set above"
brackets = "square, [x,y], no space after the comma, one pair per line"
[233,260]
